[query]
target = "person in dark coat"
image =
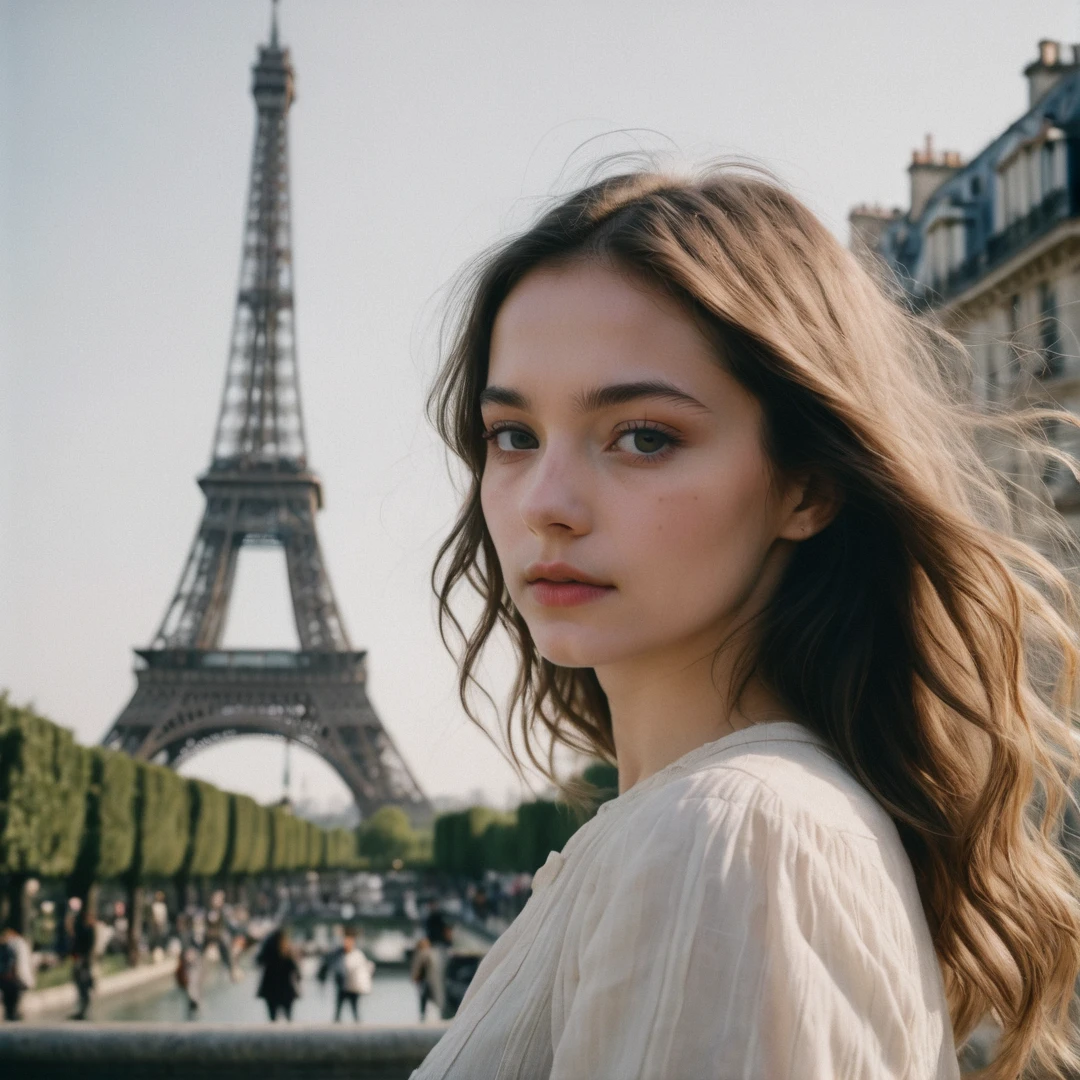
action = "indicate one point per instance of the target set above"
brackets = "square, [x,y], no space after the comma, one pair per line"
[279,986]
[83,950]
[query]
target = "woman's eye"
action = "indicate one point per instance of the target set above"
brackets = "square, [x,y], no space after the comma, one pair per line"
[645,441]
[515,439]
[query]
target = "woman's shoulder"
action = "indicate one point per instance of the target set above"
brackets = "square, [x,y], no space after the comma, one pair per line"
[763,816]
[784,779]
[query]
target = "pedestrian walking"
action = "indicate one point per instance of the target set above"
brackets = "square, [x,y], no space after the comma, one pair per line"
[159,921]
[435,923]
[353,973]
[84,940]
[730,502]
[218,939]
[440,935]
[189,964]
[422,972]
[16,970]
[279,986]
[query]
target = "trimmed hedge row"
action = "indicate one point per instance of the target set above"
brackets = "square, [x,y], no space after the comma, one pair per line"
[479,838]
[44,778]
[209,830]
[96,814]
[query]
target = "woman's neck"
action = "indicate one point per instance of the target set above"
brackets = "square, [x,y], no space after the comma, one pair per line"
[664,708]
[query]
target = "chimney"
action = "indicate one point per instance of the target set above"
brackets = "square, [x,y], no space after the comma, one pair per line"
[868,223]
[928,170]
[1043,74]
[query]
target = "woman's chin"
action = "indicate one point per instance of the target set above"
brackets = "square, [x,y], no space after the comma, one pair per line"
[575,653]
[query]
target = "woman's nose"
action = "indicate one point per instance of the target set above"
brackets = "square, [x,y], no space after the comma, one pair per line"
[555,496]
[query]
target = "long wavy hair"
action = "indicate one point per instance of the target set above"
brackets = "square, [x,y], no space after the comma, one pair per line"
[925,633]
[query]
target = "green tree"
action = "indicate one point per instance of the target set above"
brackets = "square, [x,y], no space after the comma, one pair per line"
[44,776]
[340,849]
[260,846]
[287,840]
[108,841]
[474,840]
[543,827]
[473,851]
[602,782]
[209,830]
[387,835]
[243,811]
[163,827]
[604,778]
[420,854]
[500,842]
[300,843]
[164,821]
[316,846]
[248,850]
[443,844]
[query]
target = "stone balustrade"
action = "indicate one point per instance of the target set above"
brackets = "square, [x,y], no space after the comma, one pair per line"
[153,1051]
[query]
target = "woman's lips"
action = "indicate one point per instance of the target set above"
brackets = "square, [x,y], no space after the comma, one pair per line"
[566,593]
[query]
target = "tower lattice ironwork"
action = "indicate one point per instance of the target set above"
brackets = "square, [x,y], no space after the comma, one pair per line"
[259,489]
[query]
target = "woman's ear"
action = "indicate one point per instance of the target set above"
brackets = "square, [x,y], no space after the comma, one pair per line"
[814,499]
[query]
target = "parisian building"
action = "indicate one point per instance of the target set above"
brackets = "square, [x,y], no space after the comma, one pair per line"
[991,248]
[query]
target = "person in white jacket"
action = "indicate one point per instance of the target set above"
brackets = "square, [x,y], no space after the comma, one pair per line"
[353,973]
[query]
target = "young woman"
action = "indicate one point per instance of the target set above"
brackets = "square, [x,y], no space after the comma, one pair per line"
[279,985]
[727,502]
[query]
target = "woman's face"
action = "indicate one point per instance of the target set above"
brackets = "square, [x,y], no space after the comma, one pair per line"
[626,487]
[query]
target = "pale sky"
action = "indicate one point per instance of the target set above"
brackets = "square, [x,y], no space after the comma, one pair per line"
[422,132]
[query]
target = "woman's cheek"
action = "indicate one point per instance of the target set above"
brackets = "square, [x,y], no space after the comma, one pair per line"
[664,540]
[497,506]
[694,544]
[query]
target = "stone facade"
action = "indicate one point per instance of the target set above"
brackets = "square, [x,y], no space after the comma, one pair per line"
[991,247]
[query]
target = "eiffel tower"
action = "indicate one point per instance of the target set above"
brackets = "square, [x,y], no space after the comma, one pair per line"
[191,693]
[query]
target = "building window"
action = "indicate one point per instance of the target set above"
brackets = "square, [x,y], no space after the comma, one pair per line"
[1049,332]
[1029,175]
[1051,158]
[946,248]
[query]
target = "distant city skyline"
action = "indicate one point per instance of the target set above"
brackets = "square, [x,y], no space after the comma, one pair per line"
[421,134]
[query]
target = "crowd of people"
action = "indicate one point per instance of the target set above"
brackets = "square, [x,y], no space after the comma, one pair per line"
[78,941]
[352,971]
[222,933]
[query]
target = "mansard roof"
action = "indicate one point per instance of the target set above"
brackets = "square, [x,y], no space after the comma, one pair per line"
[970,192]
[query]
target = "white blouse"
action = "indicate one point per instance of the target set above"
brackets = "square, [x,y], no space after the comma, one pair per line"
[747,912]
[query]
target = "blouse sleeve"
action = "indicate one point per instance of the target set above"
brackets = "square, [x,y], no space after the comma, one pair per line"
[731,942]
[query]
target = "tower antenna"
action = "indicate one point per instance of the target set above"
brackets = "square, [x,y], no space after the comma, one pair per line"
[273,24]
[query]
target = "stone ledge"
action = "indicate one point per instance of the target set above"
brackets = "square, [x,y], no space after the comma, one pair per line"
[153,1051]
[65,996]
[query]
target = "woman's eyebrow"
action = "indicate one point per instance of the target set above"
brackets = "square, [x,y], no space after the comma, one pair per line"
[503,395]
[601,397]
